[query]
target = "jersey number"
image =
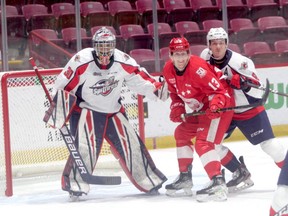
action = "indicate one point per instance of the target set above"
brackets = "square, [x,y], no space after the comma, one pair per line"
[214,84]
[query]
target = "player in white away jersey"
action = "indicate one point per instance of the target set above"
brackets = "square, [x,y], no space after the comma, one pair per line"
[95,76]
[252,122]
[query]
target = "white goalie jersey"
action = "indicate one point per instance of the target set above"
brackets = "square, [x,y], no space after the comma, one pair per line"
[99,88]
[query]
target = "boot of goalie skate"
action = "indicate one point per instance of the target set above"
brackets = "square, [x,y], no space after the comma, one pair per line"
[182,185]
[155,191]
[215,191]
[241,178]
[74,188]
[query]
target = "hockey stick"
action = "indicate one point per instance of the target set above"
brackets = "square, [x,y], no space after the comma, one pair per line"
[259,103]
[264,89]
[70,143]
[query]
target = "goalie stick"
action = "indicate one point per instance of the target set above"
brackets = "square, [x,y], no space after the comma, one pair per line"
[70,143]
[259,103]
[264,89]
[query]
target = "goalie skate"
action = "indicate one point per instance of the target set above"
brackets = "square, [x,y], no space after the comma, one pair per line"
[75,196]
[215,191]
[181,186]
[75,189]
[241,179]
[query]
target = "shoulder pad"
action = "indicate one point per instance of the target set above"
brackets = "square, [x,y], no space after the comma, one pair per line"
[205,54]
[122,57]
[242,65]
[83,56]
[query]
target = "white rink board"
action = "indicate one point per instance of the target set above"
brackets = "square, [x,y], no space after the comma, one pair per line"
[276,106]
[158,124]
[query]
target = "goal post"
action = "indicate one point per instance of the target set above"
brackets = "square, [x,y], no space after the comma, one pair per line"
[28,146]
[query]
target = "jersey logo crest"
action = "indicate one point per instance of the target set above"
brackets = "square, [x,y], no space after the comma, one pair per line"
[77,58]
[244,66]
[201,72]
[172,80]
[104,87]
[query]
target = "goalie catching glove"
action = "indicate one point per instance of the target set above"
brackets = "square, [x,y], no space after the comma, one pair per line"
[217,103]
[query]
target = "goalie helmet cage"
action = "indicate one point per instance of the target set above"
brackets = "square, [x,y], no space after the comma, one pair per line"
[29,147]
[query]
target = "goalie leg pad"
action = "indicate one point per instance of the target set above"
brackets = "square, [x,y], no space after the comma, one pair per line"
[133,155]
[85,140]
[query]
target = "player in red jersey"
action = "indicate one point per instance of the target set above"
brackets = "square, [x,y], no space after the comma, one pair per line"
[193,83]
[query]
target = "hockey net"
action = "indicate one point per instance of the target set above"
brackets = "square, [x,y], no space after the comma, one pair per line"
[29,147]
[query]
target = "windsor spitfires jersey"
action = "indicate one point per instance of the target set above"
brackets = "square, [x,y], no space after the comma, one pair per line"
[98,88]
[237,63]
[197,86]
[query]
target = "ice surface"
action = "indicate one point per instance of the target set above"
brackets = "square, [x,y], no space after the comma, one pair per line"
[47,198]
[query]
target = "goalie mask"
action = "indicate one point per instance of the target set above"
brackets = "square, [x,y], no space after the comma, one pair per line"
[104,43]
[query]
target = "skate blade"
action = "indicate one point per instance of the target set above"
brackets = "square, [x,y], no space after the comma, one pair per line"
[186,192]
[153,193]
[242,186]
[220,194]
[73,198]
[218,197]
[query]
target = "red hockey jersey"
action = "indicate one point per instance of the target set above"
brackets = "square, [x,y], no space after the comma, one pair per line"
[197,86]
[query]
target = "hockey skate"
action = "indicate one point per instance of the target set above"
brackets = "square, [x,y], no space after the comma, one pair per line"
[279,205]
[215,191]
[241,178]
[182,185]
[74,188]
[154,191]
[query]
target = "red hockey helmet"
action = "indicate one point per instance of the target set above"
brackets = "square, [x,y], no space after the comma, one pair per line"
[179,44]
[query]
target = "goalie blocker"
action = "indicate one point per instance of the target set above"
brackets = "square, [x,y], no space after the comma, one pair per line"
[93,128]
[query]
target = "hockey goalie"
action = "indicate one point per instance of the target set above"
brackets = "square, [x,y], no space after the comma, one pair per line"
[95,76]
